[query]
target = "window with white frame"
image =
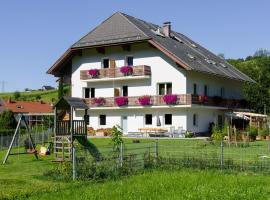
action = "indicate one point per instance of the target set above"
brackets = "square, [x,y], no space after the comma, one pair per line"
[164,88]
[148,119]
[88,93]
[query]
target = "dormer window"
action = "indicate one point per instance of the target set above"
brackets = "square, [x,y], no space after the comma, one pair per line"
[19,107]
[129,60]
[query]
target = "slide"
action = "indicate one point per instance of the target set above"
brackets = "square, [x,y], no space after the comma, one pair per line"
[93,150]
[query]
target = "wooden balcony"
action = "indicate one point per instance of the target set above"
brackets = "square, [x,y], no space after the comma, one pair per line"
[182,99]
[78,128]
[139,72]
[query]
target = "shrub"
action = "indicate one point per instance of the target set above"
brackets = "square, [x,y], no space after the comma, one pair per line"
[170,99]
[189,134]
[93,73]
[126,70]
[263,132]
[17,95]
[253,132]
[7,120]
[98,101]
[144,100]
[217,134]
[121,101]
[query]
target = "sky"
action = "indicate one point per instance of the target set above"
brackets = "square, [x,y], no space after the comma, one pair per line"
[34,34]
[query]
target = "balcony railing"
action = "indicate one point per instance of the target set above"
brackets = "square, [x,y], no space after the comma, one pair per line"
[141,70]
[158,100]
[63,127]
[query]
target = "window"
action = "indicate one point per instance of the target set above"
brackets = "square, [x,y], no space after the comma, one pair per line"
[102,119]
[92,92]
[106,63]
[148,119]
[168,119]
[205,90]
[129,60]
[86,92]
[164,88]
[195,120]
[125,90]
[195,88]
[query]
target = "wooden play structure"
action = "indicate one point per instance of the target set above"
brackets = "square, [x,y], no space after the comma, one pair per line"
[66,128]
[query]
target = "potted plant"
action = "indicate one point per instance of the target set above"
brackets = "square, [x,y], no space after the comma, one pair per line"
[93,73]
[144,100]
[170,99]
[126,70]
[100,101]
[121,101]
[203,98]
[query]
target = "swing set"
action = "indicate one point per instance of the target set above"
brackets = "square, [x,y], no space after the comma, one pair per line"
[29,144]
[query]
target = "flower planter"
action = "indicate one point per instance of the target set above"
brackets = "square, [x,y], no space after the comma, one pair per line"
[98,101]
[94,73]
[170,99]
[126,70]
[144,100]
[121,101]
[203,99]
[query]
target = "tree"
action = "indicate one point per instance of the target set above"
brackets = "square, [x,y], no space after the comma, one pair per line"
[17,95]
[7,120]
[38,97]
[262,53]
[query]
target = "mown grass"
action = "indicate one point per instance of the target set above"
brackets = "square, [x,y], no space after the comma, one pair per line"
[23,178]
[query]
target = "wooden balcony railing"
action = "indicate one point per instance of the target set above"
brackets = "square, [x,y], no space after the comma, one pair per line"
[141,70]
[182,99]
[63,127]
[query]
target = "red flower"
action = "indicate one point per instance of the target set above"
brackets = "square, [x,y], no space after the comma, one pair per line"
[144,100]
[121,101]
[170,99]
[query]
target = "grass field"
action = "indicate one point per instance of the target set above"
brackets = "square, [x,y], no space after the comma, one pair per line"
[30,96]
[23,178]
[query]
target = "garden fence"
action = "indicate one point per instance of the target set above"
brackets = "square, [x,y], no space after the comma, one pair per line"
[187,153]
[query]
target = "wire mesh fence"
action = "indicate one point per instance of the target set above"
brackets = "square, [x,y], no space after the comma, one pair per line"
[38,138]
[203,154]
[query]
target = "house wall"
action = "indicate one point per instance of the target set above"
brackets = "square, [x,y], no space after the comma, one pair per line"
[232,88]
[162,68]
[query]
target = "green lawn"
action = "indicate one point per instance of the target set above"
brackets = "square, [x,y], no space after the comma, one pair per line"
[23,177]
[30,96]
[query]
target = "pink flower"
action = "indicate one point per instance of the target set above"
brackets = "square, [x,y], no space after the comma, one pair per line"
[203,99]
[98,101]
[121,101]
[144,100]
[170,99]
[126,70]
[93,72]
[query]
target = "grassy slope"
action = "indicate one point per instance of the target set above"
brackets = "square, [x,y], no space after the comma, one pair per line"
[29,96]
[23,177]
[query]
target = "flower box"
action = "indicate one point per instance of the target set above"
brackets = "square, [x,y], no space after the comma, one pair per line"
[93,73]
[98,101]
[203,99]
[170,99]
[144,100]
[121,101]
[126,70]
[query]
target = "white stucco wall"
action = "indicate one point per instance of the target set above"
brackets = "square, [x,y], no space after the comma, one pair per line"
[162,68]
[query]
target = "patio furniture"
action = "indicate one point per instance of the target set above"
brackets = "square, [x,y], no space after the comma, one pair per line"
[152,131]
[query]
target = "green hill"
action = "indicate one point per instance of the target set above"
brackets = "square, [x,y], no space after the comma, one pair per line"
[47,96]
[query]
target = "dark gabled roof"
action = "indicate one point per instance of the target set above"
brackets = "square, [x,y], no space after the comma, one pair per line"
[122,28]
[71,102]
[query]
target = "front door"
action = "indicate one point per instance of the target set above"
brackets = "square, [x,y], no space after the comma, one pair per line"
[124,124]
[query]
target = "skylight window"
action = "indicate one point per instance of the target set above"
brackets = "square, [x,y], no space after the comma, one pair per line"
[210,61]
[194,45]
[223,65]
[191,56]
[178,39]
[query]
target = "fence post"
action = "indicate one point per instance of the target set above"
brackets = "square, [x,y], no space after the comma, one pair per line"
[156,151]
[73,164]
[221,154]
[121,154]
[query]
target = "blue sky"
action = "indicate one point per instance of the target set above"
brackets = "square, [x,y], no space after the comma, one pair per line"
[33,34]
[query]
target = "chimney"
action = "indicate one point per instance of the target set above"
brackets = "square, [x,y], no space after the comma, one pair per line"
[166,29]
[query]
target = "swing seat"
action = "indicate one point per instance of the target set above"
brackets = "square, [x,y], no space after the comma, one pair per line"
[44,151]
[31,151]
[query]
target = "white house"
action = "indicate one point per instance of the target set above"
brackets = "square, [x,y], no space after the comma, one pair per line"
[186,85]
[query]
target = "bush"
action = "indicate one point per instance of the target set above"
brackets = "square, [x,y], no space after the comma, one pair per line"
[217,134]
[189,134]
[17,95]
[7,120]
[253,132]
[117,137]
[263,132]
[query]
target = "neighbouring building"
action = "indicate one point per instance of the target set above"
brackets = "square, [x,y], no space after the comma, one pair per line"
[137,74]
